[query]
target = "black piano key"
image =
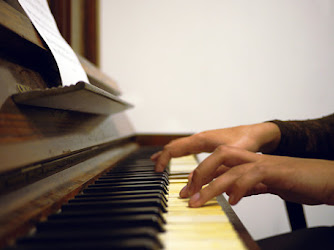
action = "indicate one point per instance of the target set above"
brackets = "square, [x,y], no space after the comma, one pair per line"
[94,193]
[92,188]
[134,174]
[93,223]
[116,204]
[133,244]
[87,233]
[135,182]
[104,212]
[143,161]
[134,168]
[128,183]
[67,236]
[118,197]
[140,160]
[101,191]
[130,179]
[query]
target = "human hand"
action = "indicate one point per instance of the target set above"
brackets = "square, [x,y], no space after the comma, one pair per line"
[241,173]
[262,137]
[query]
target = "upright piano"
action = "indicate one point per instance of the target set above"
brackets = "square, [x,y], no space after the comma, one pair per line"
[74,177]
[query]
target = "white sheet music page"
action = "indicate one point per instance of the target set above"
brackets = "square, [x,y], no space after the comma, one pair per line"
[68,63]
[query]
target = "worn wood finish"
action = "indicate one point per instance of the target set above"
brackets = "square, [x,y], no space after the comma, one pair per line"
[29,135]
[32,135]
[22,209]
[35,135]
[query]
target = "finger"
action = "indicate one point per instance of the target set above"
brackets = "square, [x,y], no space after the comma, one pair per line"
[176,148]
[221,170]
[258,189]
[206,171]
[184,193]
[162,160]
[155,156]
[248,182]
[210,191]
[222,156]
[190,177]
[218,186]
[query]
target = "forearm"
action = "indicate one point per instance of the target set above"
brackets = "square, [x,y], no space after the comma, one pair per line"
[307,139]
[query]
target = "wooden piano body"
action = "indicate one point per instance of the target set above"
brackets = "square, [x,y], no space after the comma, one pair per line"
[49,155]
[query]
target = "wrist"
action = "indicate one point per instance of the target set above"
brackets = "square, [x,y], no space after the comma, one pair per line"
[269,136]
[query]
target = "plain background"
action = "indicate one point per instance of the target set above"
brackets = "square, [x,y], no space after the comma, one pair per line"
[193,65]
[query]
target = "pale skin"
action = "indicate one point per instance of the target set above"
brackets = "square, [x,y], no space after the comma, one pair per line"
[234,167]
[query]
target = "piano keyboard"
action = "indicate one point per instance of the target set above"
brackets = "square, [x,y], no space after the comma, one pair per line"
[132,207]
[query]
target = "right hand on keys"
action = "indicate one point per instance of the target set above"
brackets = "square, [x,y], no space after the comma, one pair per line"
[240,173]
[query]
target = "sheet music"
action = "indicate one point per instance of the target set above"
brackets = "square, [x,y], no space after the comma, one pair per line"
[69,66]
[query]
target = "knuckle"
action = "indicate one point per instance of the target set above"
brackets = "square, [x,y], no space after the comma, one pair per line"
[214,188]
[168,149]
[222,149]
[199,179]
[173,141]
[260,169]
[168,146]
[200,136]
[196,174]
[234,174]
[202,139]
[238,185]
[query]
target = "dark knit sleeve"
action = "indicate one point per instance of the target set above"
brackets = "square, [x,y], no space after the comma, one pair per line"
[307,139]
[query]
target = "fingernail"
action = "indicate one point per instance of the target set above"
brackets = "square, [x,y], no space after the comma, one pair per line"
[231,199]
[194,200]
